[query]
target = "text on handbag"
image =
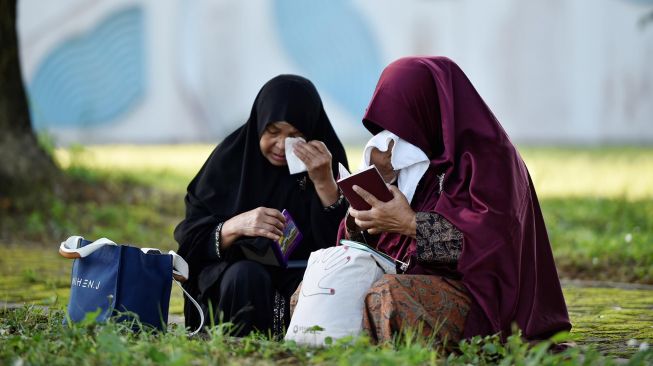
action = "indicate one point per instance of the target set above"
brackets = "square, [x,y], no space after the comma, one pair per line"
[85,282]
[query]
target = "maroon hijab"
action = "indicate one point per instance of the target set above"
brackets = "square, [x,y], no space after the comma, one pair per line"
[506,261]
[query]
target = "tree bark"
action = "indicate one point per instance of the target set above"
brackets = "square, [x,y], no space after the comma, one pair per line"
[25,167]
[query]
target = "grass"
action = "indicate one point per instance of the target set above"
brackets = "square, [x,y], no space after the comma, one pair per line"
[605,239]
[604,317]
[600,172]
[597,204]
[30,336]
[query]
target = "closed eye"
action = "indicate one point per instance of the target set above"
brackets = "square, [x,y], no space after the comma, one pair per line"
[272,130]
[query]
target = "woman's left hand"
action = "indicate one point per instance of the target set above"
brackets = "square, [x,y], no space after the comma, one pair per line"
[317,158]
[394,216]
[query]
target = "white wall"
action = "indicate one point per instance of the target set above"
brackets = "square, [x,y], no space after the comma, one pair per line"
[553,71]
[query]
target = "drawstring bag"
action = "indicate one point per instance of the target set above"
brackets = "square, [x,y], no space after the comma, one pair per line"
[123,280]
[330,302]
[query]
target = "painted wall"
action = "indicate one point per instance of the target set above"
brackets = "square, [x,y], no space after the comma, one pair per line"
[152,71]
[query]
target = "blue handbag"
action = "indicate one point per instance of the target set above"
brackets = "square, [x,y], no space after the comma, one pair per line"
[122,280]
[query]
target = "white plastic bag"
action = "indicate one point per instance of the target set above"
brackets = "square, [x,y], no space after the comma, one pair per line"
[330,302]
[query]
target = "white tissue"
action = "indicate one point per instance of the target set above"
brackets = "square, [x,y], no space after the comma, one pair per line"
[409,160]
[295,165]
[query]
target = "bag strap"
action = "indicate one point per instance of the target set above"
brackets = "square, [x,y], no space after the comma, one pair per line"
[180,274]
[197,306]
[70,248]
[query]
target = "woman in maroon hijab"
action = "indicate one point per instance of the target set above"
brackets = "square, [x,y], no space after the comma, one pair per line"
[473,233]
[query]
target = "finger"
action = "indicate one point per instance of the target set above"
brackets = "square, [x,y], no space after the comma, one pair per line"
[270,228]
[312,157]
[373,231]
[320,146]
[301,154]
[305,155]
[365,215]
[365,195]
[266,233]
[274,222]
[395,191]
[272,212]
[302,147]
[363,224]
[310,148]
[353,212]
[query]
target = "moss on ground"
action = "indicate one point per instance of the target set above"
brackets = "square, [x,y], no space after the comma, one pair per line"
[611,317]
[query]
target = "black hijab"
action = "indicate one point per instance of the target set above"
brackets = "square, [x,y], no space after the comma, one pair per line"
[237,177]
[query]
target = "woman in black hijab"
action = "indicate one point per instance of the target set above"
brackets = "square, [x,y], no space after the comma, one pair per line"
[236,199]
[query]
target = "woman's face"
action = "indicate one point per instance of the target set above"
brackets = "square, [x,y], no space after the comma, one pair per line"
[382,161]
[273,139]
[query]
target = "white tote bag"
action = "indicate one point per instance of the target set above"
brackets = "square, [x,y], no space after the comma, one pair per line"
[330,302]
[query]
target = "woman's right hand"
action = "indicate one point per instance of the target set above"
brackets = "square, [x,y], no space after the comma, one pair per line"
[262,221]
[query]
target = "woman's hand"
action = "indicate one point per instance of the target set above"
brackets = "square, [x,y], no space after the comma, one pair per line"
[394,216]
[262,221]
[317,158]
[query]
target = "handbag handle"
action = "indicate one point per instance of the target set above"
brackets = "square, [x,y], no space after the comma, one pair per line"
[70,248]
[179,267]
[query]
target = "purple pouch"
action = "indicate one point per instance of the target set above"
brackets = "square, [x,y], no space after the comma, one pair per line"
[289,240]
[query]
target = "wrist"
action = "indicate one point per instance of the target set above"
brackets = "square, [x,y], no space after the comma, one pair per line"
[327,184]
[327,192]
[411,227]
[228,234]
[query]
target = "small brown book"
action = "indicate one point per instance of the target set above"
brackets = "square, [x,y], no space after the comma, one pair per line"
[370,180]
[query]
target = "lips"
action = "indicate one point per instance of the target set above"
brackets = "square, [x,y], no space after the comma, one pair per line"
[279,158]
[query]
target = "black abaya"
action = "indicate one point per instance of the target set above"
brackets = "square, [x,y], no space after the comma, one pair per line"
[237,178]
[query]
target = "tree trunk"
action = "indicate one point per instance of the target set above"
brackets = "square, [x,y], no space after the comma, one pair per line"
[25,167]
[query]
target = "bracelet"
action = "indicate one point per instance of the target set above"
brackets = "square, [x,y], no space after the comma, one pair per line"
[336,204]
[218,230]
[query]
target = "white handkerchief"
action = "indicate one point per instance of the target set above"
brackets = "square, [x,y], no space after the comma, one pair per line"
[410,162]
[295,165]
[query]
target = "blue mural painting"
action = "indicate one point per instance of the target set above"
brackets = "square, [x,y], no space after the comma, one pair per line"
[94,78]
[332,44]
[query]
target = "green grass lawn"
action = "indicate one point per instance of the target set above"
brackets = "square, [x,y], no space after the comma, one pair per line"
[597,203]
[34,337]
[604,317]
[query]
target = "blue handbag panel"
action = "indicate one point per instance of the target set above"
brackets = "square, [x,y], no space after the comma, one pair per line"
[93,283]
[145,281]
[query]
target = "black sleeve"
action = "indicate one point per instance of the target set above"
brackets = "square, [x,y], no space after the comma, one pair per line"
[325,221]
[196,238]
